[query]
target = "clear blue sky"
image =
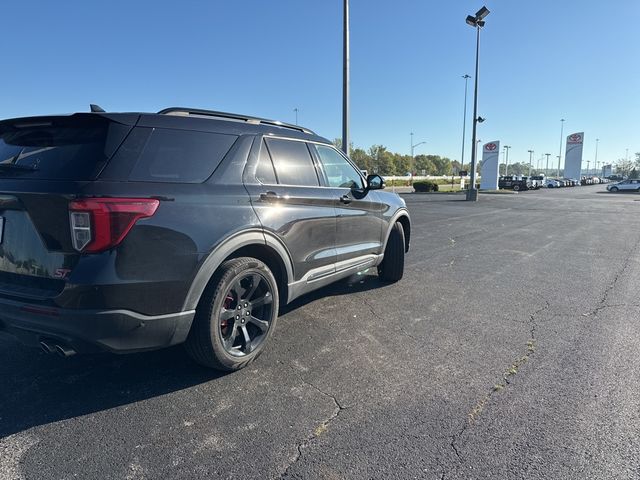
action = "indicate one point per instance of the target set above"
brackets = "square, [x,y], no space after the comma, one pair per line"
[540,61]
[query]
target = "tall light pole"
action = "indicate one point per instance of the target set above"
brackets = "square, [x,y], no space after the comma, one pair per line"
[596,159]
[561,133]
[546,170]
[477,22]
[530,159]
[506,161]
[464,118]
[345,79]
[588,162]
[296,110]
[413,146]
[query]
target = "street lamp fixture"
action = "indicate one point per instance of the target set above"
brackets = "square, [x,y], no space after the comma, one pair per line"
[480,119]
[476,22]
[413,146]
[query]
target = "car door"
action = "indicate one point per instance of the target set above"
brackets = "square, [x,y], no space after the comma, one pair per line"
[358,213]
[290,203]
[625,185]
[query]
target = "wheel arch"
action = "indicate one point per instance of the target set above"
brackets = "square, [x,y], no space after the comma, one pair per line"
[257,244]
[401,216]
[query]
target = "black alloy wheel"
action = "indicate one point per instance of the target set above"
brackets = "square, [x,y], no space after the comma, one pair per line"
[236,315]
[246,315]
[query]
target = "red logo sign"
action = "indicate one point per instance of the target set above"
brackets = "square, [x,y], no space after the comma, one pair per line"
[575,138]
[490,146]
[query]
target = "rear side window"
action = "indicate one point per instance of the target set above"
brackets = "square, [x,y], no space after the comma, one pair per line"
[177,156]
[264,172]
[59,148]
[292,162]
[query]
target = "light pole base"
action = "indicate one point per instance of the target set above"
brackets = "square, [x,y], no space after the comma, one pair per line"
[472,195]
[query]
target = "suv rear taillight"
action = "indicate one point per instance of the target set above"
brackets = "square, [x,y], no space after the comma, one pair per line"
[99,224]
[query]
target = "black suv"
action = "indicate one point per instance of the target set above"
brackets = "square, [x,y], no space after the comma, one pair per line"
[125,232]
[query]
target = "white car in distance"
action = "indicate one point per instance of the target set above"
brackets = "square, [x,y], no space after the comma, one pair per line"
[625,185]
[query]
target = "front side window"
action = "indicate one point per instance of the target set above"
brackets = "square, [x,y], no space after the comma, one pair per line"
[339,172]
[292,162]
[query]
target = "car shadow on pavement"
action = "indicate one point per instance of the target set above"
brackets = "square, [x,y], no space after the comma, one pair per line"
[38,388]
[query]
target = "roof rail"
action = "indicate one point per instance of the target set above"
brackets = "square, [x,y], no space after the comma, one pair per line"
[232,116]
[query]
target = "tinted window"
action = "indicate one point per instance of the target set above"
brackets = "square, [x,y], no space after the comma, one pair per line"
[339,172]
[59,148]
[265,173]
[292,162]
[180,156]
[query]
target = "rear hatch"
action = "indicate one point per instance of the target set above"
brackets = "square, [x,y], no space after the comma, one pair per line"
[45,162]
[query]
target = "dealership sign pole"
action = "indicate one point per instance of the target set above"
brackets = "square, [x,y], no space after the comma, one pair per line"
[490,163]
[573,156]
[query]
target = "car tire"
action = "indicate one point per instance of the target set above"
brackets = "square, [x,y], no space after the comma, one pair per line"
[516,188]
[392,267]
[613,189]
[235,317]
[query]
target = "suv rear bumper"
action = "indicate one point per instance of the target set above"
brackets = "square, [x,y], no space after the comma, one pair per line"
[117,331]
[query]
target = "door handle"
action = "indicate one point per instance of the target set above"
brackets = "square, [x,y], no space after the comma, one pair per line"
[270,196]
[346,199]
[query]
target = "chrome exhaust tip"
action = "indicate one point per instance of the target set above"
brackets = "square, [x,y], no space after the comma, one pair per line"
[47,347]
[64,351]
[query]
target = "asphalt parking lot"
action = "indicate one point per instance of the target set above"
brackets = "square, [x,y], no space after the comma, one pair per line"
[509,350]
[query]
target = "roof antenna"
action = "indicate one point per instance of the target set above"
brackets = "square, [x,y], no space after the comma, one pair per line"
[96,108]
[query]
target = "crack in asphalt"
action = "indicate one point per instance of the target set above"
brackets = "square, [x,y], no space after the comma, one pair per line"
[375,314]
[602,304]
[477,410]
[319,430]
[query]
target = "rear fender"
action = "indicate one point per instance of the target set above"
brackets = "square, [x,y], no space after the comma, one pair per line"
[226,249]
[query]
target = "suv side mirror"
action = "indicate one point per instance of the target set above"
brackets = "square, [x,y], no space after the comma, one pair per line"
[375,182]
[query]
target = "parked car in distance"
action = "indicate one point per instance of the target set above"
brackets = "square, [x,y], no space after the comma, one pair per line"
[513,182]
[552,183]
[540,179]
[536,181]
[625,186]
[125,232]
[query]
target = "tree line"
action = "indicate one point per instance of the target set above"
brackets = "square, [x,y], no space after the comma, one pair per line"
[378,159]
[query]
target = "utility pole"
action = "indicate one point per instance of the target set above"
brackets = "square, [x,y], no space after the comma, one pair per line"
[464,118]
[476,22]
[546,170]
[506,163]
[561,133]
[530,160]
[588,162]
[296,110]
[345,80]
[596,159]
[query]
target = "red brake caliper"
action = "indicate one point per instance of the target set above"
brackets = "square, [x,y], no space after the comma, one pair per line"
[225,323]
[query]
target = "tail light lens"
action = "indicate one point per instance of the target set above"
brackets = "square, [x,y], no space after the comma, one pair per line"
[98,224]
